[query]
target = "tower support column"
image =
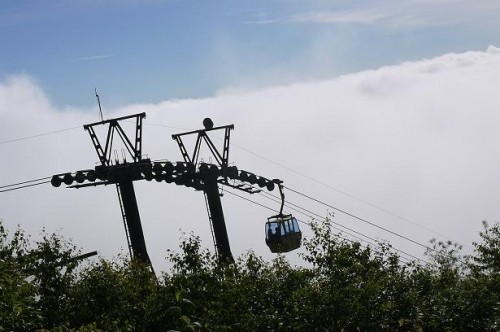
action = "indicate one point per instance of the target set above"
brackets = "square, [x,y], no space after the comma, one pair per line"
[219,225]
[133,220]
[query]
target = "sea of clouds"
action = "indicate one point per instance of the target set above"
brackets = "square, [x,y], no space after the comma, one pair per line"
[411,147]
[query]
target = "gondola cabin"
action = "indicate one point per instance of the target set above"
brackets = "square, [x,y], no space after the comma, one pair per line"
[282,233]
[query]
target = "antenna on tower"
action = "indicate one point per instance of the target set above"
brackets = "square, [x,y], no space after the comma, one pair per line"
[99,103]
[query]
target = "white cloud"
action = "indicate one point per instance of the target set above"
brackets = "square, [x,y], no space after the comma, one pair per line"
[93,57]
[418,139]
[395,14]
[332,17]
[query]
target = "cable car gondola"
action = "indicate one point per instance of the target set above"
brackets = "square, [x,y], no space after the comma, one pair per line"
[282,231]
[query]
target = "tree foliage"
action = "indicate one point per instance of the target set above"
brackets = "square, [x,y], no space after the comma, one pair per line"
[343,286]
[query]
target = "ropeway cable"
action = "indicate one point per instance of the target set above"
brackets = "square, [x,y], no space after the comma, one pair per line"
[375,241]
[24,184]
[362,220]
[347,239]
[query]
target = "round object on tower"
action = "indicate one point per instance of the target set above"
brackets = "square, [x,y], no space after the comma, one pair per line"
[262,181]
[270,186]
[68,179]
[56,181]
[208,124]
[79,177]
[168,167]
[91,176]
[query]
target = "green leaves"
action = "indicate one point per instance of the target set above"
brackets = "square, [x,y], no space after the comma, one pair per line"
[345,286]
[487,258]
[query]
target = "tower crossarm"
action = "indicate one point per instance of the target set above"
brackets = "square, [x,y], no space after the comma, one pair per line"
[133,146]
[222,159]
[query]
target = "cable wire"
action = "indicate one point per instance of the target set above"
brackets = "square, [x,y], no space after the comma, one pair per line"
[347,239]
[25,186]
[288,204]
[30,183]
[407,259]
[341,191]
[428,249]
[264,158]
[312,216]
[165,126]
[38,135]
[363,220]
[24,182]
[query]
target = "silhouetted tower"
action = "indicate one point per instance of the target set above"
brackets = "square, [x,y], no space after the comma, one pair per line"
[190,173]
[210,184]
[210,178]
[122,173]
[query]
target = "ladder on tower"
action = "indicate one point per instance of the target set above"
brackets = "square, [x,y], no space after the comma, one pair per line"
[124,216]
[210,222]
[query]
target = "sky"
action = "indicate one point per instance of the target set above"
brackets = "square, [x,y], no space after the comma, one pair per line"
[148,51]
[386,110]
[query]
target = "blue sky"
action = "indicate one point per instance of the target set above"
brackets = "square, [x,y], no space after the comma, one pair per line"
[150,51]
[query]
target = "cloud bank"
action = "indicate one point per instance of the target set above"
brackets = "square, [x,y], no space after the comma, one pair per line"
[417,139]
